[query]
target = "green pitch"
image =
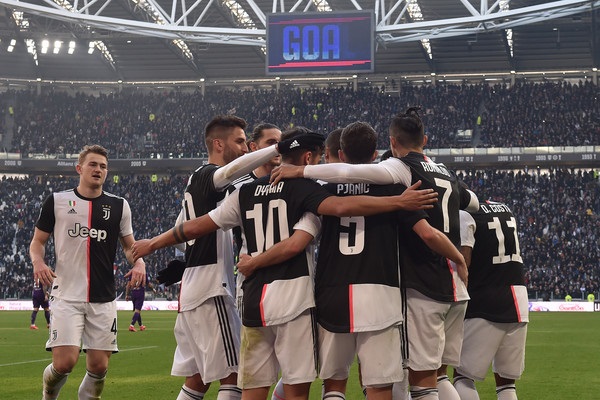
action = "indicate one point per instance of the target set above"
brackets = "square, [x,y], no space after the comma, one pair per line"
[562,352]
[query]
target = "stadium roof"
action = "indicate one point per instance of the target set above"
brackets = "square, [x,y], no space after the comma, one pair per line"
[160,40]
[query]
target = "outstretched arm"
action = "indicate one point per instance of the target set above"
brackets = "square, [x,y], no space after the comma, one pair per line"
[242,165]
[411,199]
[180,233]
[440,243]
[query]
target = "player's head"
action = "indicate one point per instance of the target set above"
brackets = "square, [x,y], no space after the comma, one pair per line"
[358,143]
[407,131]
[92,165]
[265,135]
[332,146]
[225,137]
[303,155]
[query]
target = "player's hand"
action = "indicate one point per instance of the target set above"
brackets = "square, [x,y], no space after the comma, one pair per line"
[245,265]
[463,271]
[127,298]
[141,248]
[43,273]
[137,274]
[413,199]
[286,171]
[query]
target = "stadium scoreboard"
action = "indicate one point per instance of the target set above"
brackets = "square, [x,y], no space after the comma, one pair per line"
[320,42]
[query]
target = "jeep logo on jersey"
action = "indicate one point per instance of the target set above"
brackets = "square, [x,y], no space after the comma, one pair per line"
[98,234]
[106,212]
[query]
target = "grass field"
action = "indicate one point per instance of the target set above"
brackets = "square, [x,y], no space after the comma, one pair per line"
[561,360]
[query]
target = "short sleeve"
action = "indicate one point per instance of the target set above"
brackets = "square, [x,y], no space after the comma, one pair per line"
[228,214]
[467,229]
[46,219]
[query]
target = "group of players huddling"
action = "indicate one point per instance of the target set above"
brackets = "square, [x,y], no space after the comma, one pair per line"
[372,262]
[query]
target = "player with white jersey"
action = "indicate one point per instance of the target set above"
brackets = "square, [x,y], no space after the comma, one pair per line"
[498,313]
[279,335]
[87,223]
[207,352]
[434,336]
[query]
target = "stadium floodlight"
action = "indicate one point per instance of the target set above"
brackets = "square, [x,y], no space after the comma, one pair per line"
[13,42]
[10,48]
[71,47]
[57,45]
[45,45]
[414,10]
[595,69]
[91,47]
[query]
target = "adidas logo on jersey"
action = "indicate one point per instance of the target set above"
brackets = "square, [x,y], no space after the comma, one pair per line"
[72,211]
[294,144]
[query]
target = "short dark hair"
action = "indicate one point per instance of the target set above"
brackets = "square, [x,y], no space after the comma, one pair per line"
[220,126]
[258,130]
[358,142]
[333,141]
[293,157]
[93,148]
[407,128]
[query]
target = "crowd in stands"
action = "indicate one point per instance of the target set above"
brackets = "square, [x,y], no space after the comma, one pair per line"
[557,213]
[133,124]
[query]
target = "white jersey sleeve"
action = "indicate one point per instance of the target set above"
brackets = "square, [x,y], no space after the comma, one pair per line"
[228,214]
[386,172]
[309,223]
[474,203]
[125,226]
[467,229]
[241,166]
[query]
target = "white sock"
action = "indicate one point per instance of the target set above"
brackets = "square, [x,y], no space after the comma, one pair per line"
[424,393]
[229,392]
[278,393]
[400,390]
[91,386]
[52,381]
[506,392]
[465,387]
[334,396]
[189,394]
[445,389]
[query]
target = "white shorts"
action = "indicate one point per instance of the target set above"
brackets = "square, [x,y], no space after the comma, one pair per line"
[208,340]
[89,325]
[435,331]
[289,347]
[379,352]
[499,344]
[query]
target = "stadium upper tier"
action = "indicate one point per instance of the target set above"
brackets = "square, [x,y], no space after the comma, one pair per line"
[136,124]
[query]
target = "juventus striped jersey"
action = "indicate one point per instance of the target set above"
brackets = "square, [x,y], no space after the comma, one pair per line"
[422,268]
[357,285]
[86,232]
[267,215]
[209,259]
[496,281]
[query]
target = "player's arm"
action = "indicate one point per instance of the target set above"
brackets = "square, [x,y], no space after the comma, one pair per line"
[440,243]
[467,235]
[37,251]
[138,272]
[387,172]
[411,199]
[242,165]
[304,232]
[466,251]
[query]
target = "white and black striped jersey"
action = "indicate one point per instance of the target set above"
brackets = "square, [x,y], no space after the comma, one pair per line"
[422,268]
[209,259]
[86,232]
[267,214]
[357,285]
[496,281]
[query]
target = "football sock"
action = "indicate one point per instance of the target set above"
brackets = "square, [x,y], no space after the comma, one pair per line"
[33,317]
[400,389]
[91,386]
[140,319]
[278,393]
[47,315]
[423,393]
[188,394]
[465,387]
[52,382]
[364,390]
[334,396]
[445,389]
[135,318]
[229,392]
[506,392]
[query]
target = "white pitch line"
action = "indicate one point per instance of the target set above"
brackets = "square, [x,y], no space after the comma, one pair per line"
[50,359]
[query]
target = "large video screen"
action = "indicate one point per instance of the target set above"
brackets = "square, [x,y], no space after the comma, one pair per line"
[319,42]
